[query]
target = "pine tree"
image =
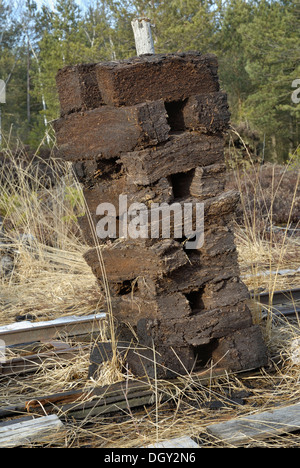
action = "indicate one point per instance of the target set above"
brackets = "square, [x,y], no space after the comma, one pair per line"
[271,44]
[98,31]
[231,55]
[183,25]
[67,37]
[257,44]
[13,72]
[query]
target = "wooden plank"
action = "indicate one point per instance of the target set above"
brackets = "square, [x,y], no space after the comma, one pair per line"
[29,431]
[100,408]
[130,395]
[42,402]
[280,297]
[266,425]
[25,332]
[32,362]
[178,443]
[110,398]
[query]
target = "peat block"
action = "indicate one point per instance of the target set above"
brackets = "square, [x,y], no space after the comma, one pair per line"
[153,128]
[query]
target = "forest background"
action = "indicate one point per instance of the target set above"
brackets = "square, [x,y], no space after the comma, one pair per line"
[257,44]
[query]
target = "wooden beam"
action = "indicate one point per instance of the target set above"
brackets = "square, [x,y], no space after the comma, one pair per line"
[266,425]
[80,404]
[132,394]
[26,332]
[32,362]
[45,401]
[28,431]
[280,297]
[178,443]
[2,92]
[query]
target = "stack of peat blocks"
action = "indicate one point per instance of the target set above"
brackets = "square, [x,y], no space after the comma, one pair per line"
[152,128]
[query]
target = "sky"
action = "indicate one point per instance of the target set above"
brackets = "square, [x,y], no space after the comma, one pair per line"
[17,5]
[50,3]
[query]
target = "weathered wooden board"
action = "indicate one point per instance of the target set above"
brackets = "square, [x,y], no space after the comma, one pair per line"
[32,362]
[178,443]
[25,332]
[183,152]
[41,404]
[172,77]
[29,431]
[111,398]
[143,36]
[133,394]
[249,428]
[106,132]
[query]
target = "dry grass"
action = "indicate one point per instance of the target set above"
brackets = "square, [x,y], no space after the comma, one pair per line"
[189,410]
[270,198]
[192,408]
[51,279]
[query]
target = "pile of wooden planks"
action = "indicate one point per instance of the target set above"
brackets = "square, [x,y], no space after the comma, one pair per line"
[151,128]
[36,343]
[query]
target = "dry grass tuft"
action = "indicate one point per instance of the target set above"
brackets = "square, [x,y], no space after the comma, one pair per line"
[50,277]
[268,222]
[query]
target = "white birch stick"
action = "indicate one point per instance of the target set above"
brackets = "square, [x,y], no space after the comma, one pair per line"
[143,36]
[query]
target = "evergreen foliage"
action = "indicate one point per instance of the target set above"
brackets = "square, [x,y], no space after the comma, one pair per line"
[256,41]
